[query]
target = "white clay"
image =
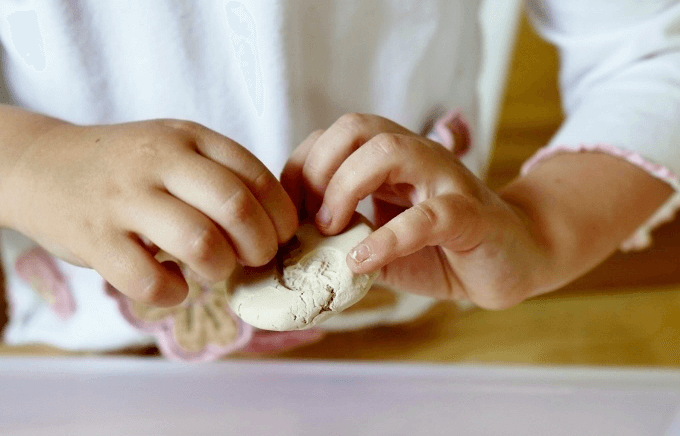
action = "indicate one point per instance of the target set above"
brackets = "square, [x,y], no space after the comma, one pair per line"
[305,284]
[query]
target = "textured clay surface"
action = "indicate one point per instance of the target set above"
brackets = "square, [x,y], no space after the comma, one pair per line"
[308,282]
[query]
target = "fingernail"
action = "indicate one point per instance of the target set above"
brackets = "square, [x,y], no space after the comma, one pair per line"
[323,216]
[360,253]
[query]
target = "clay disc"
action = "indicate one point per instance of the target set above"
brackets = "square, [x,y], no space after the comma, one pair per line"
[308,281]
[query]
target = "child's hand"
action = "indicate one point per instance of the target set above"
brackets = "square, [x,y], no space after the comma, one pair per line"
[444,233]
[107,196]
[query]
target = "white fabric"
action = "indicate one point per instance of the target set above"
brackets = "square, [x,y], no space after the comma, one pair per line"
[265,73]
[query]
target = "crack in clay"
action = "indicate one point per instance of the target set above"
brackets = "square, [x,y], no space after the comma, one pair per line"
[306,305]
[331,296]
[307,282]
[326,307]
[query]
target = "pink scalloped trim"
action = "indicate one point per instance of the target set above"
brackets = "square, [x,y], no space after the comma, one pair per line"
[445,130]
[269,342]
[641,239]
[165,338]
[656,170]
[38,269]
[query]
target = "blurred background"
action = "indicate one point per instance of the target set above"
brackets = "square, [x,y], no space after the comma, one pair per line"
[625,312]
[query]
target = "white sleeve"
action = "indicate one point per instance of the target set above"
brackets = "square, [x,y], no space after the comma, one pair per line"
[620,83]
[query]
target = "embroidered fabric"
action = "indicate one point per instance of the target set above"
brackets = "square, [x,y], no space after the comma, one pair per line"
[37,268]
[641,238]
[200,329]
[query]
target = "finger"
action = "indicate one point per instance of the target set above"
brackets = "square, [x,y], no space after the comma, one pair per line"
[255,175]
[291,176]
[453,221]
[222,196]
[134,272]
[185,233]
[407,166]
[335,145]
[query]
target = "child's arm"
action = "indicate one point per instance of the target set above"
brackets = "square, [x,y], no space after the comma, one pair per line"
[107,196]
[447,235]
[586,204]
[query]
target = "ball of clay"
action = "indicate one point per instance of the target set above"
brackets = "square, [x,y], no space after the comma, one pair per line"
[307,282]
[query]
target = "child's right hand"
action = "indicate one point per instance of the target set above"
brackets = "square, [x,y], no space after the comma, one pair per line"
[103,196]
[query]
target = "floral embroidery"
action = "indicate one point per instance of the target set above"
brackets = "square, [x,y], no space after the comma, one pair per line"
[37,268]
[202,328]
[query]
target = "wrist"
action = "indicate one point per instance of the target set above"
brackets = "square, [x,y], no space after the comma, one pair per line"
[546,235]
[22,131]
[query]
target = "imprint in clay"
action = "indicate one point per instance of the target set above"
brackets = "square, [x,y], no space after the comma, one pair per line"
[308,281]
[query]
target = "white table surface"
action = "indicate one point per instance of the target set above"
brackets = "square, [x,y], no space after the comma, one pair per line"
[122,396]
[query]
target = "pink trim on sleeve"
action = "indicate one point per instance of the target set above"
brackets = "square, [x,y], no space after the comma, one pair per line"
[447,127]
[641,239]
[39,270]
[658,171]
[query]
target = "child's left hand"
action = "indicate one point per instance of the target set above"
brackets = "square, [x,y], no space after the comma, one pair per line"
[443,232]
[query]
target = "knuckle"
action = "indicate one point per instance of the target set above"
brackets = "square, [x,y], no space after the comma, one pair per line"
[391,240]
[352,120]
[204,245]
[316,134]
[153,289]
[239,207]
[473,225]
[113,191]
[265,182]
[149,151]
[428,213]
[183,125]
[387,143]
[342,191]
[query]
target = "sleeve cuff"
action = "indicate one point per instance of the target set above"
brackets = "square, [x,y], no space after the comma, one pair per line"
[641,238]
